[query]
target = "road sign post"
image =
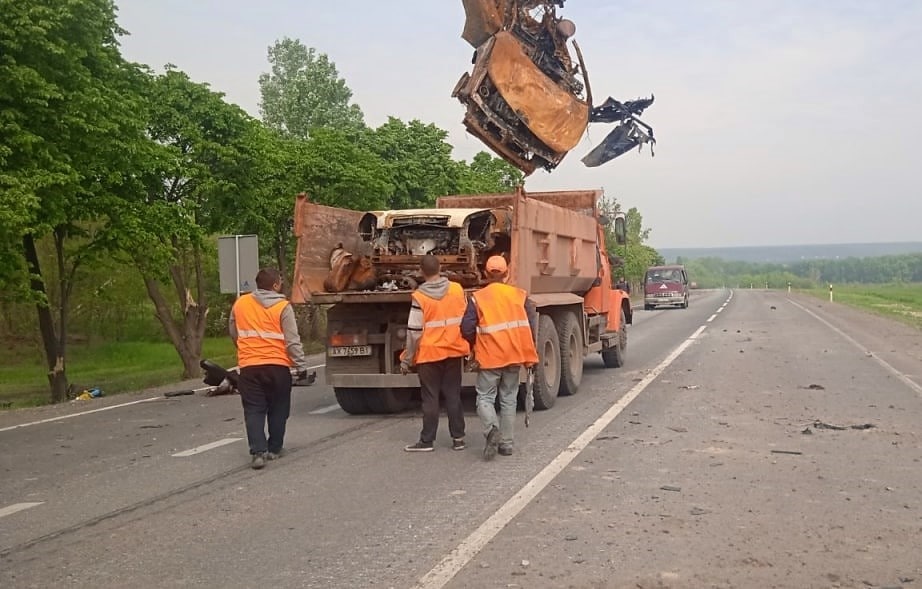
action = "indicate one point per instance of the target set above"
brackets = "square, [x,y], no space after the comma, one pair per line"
[238,263]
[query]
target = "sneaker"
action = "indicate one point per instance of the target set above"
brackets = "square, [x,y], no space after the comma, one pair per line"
[419,447]
[505,450]
[273,455]
[458,444]
[258,461]
[489,450]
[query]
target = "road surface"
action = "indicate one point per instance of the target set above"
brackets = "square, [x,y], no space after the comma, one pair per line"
[755,439]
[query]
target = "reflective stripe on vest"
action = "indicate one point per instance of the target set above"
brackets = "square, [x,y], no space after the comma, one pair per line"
[260,339]
[504,336]
[441,337]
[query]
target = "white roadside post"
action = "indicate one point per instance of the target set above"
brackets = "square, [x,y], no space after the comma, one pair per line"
[830,293]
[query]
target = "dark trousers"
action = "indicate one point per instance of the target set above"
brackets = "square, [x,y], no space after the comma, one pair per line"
[442,377]
[265,392]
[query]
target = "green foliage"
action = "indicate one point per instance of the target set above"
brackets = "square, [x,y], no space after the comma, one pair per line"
[304,92]
[636,255]
[716,272]
[487,174]
[418,159]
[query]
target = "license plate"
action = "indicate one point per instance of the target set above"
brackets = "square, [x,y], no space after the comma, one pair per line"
[351,351]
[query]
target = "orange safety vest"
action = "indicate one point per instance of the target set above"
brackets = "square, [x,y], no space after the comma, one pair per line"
[260,339]
[441,336]
[504,336]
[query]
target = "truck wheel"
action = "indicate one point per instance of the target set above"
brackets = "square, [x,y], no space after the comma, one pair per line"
[388,400]
[352,401]
[571,354]
[547,371]
[613,357]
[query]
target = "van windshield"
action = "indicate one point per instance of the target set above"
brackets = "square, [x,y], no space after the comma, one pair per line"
[664,276]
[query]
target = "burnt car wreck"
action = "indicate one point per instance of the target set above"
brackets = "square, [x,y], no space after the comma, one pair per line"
[386,258]
[526,98]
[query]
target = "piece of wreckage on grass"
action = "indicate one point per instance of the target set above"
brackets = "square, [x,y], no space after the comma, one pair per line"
[526,98]
[379,251]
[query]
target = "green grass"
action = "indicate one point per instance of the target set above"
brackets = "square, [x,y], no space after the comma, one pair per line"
[902,302]
[113,367]
[116,367]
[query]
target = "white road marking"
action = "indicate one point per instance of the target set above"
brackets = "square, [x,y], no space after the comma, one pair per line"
[206,447]
[50,419]
[712,317]
[323,410]
[454,561]
[16,507]
[906,380]
[59,418]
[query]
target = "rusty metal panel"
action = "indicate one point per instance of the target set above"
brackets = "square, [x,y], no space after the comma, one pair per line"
[554,249]
[483,19]
[554,115]
[584,201]
[319,229]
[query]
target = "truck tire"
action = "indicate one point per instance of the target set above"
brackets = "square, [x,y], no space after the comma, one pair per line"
[571,354]
[352,401]
[547,371]
[613,357]
[388,400]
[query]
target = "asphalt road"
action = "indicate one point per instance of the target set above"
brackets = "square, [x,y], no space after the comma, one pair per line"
[755,439]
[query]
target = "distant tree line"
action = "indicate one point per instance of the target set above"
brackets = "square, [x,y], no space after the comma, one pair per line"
[716,272]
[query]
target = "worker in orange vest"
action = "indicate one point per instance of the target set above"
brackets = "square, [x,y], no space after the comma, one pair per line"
[437,350]
[263,327]
[500,323]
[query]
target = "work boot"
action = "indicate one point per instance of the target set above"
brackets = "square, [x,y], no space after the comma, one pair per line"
[458,444]
[273,455]
[420,447]
[489,450]
[505,450]
[258,461]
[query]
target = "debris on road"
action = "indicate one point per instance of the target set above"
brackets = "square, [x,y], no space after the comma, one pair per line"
[860,426]
[690,387]
[814,387]
[671,488]
[794,452]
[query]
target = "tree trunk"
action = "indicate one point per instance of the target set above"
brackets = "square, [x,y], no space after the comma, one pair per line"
[54,353]
[186,332]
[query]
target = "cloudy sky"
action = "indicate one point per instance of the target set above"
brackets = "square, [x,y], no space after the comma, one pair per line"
[778,123]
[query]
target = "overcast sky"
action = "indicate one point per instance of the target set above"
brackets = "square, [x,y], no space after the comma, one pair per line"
[782,122]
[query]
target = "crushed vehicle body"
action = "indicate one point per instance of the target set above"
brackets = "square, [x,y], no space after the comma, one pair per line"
[526,98]
[362,267]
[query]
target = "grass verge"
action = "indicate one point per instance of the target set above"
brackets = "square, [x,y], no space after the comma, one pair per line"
[116,367]
[902,302]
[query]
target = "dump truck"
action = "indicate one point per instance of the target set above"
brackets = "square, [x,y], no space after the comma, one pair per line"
[362,267]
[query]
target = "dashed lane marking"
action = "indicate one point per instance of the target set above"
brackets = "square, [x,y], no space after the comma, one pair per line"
[323,410]
[206,447]
[17,507]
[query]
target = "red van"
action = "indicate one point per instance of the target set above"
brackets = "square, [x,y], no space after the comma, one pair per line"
[665,285]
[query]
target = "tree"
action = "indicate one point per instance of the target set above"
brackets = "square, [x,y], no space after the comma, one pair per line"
[419,163]
[69,135]
[331,167]
[304,92]
[488,174]
[636,255]
[210,155]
